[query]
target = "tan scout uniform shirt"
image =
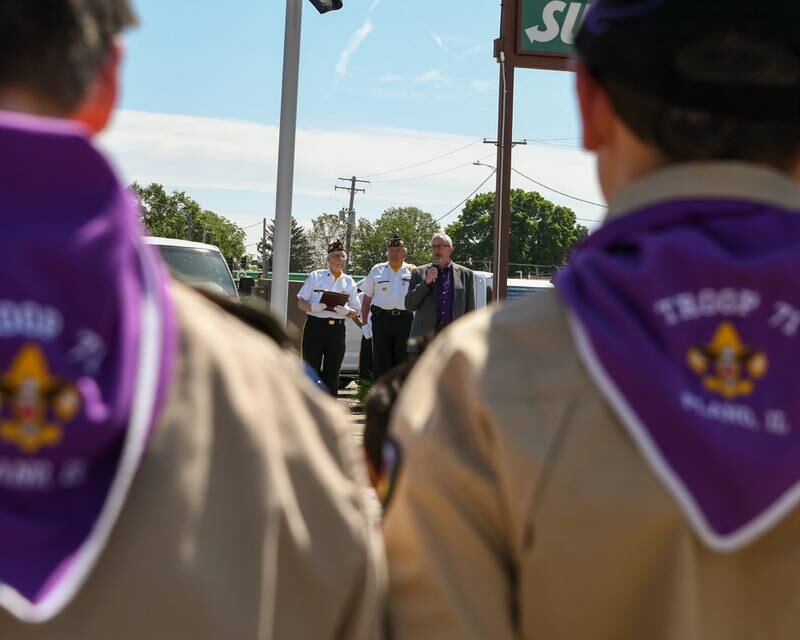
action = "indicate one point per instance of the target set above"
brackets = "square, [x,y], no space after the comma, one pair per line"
[247,516]
[523,509]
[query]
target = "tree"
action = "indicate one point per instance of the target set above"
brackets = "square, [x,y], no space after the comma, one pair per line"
[300,260]
[324,229]
[542,233]
[371,239]
[177,215]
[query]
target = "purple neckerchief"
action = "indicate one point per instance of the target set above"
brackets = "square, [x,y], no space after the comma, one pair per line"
[444,299]
[687,315]
[86,340]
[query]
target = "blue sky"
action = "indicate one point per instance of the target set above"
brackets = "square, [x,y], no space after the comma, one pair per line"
[383,84]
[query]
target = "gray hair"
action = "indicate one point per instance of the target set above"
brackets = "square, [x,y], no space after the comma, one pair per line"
[444,237]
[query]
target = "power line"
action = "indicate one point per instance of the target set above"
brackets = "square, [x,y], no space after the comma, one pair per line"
[563,143]
[419,164]
[255,224]
[558,145]
[468,197]
[431,175]
[550,139]
[561,193]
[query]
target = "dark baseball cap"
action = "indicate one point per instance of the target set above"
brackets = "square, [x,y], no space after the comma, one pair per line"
[732,57]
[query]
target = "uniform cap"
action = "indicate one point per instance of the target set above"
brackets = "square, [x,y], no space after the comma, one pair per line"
[336,245]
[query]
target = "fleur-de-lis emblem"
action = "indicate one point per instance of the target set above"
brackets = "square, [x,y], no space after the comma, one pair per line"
[34,406]
[727,366]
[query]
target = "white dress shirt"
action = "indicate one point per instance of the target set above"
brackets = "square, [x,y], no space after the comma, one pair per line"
[387,287]
[323,280]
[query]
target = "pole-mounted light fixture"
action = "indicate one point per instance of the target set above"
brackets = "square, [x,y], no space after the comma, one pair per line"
[323,6]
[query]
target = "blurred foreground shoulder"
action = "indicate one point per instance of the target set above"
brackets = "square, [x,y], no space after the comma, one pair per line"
[327,549]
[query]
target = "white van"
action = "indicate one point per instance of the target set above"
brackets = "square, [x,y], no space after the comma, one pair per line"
[197,264]
[522,288]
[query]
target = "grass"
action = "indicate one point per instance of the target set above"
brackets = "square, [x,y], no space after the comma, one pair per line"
[362,389]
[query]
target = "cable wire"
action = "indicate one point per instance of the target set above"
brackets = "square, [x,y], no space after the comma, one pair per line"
[432,175]
[440,218]
[419,164]
[549,139]
[558,145]
[561,193]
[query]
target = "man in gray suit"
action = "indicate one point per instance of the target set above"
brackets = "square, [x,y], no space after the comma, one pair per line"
[441,291]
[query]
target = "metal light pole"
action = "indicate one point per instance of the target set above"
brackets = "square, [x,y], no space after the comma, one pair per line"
[281,243]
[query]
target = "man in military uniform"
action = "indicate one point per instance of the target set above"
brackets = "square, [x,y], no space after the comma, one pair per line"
[619,458]
[323,343]
[165,470]
[385,289]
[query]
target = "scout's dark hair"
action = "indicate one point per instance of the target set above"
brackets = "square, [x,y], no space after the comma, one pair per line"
[262,322]
[379,404]
[55,48]
[685,133]
[381,399]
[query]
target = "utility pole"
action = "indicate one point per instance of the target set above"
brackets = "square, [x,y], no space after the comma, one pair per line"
[281,242]
[505,120]
[264,259]
[514,143]
[351,212]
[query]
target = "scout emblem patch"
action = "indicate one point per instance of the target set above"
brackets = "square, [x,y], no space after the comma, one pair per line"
[33,405]
[726,365]
[86,341]
[686,315]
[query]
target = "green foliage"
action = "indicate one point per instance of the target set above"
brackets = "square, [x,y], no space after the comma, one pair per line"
[371,239]
[300,260]
[324,229]
[177,215]
[363,387]
[542,233]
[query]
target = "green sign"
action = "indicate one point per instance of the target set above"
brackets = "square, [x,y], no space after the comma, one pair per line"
[549,26]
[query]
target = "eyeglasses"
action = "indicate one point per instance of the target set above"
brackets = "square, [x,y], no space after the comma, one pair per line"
[439,246]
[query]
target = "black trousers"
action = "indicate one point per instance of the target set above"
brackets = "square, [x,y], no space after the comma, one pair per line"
[365,359]
[323,349]
[389,339]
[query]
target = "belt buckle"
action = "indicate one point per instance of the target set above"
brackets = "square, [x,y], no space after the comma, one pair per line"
[396,312]
[331,322]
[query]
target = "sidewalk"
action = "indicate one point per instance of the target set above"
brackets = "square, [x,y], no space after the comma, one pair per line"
[355,410]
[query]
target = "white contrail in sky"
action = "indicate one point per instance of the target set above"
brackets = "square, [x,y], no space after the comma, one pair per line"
[355,41]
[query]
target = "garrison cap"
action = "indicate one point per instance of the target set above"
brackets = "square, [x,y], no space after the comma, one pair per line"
[652,46]
[336,245]
[397,241]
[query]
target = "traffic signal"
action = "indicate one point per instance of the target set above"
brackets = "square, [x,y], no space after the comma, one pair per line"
[323,6]
[244,262]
